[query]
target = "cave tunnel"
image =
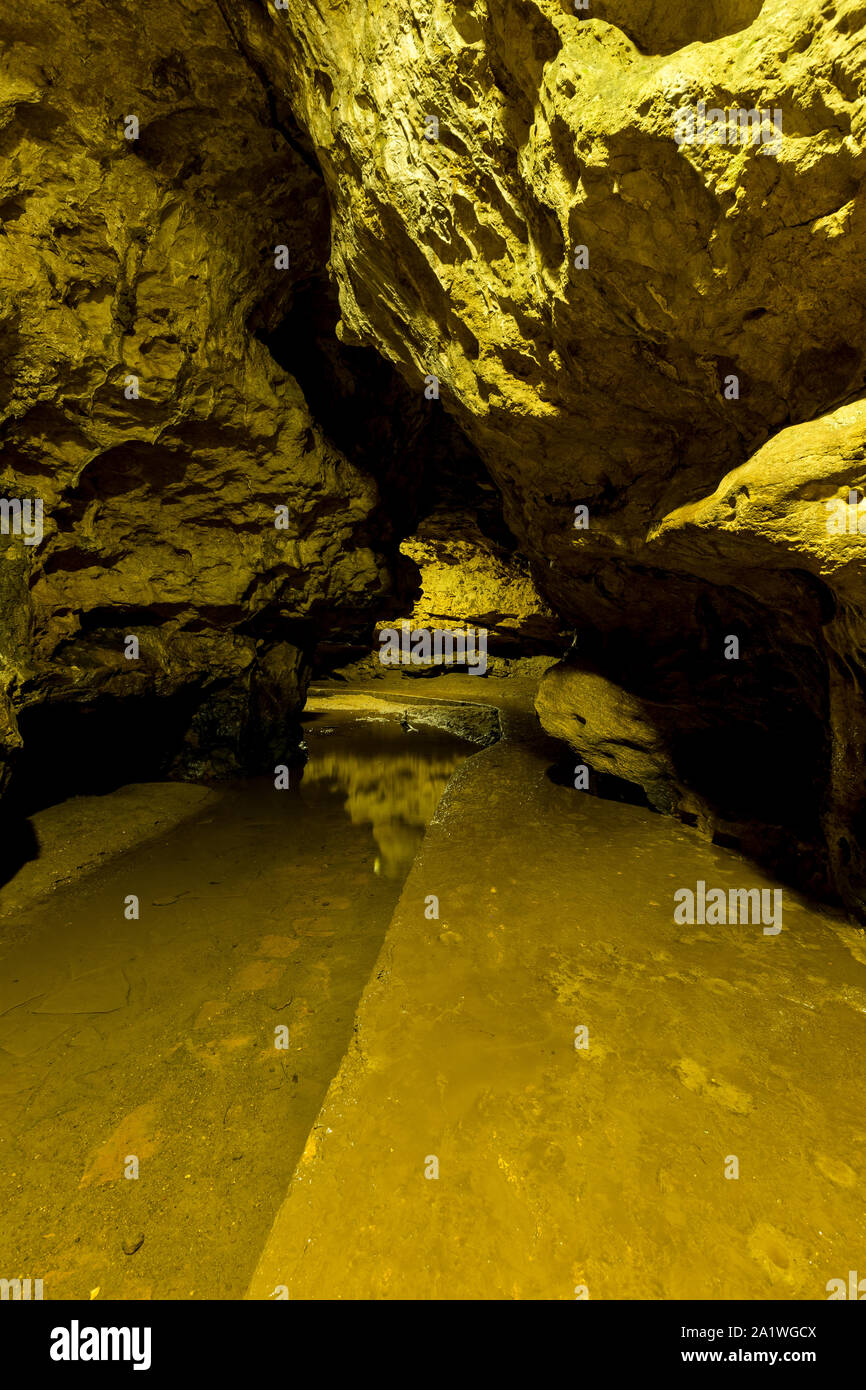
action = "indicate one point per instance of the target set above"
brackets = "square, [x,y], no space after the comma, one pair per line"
[432,735]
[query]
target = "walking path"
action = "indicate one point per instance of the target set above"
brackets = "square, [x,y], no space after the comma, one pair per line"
[607,1170]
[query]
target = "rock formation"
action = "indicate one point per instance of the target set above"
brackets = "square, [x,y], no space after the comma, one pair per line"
[655,345]
[138,405]
[620,321]
[465,577]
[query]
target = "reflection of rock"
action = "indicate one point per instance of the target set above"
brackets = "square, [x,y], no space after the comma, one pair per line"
[394,792]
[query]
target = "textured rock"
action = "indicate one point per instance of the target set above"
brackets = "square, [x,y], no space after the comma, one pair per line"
[465,577]
[783,515]
[597,378]
[454,577]
[617,732]
[658,27]
[454,256]
[609,386]
[795,507]
[149,258]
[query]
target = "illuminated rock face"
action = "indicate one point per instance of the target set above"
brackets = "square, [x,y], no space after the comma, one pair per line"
[466,578]
[620,320]
[137,403]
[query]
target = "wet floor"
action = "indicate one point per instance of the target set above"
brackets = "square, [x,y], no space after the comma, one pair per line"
[159,1075]
[622,1103]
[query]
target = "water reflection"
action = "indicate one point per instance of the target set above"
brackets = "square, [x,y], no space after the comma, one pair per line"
[393,782]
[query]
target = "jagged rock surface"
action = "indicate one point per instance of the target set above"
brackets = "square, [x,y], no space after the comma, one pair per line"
[464,577]
[455,258]
[150,258]
[604,386]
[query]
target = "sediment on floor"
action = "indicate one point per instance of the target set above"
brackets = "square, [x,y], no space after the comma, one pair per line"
[554,1090]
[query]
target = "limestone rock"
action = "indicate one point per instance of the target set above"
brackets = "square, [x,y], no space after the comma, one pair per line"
[618,320]
[466,578]
[612,319]
[615,731]
[798,506]
[138,405]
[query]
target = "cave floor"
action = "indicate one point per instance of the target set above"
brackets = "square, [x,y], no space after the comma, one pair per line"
[561,1171]
[155,1039]
[421,1043]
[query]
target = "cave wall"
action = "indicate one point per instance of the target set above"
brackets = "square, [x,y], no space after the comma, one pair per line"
[603,378]
[582,287]
[465,577]
[150,258]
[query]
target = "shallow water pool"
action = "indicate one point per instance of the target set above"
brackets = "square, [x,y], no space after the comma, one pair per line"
[149,1120]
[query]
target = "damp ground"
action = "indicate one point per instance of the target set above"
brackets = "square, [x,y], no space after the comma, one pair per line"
[159,1076]
[555,1090]
[619,1105]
